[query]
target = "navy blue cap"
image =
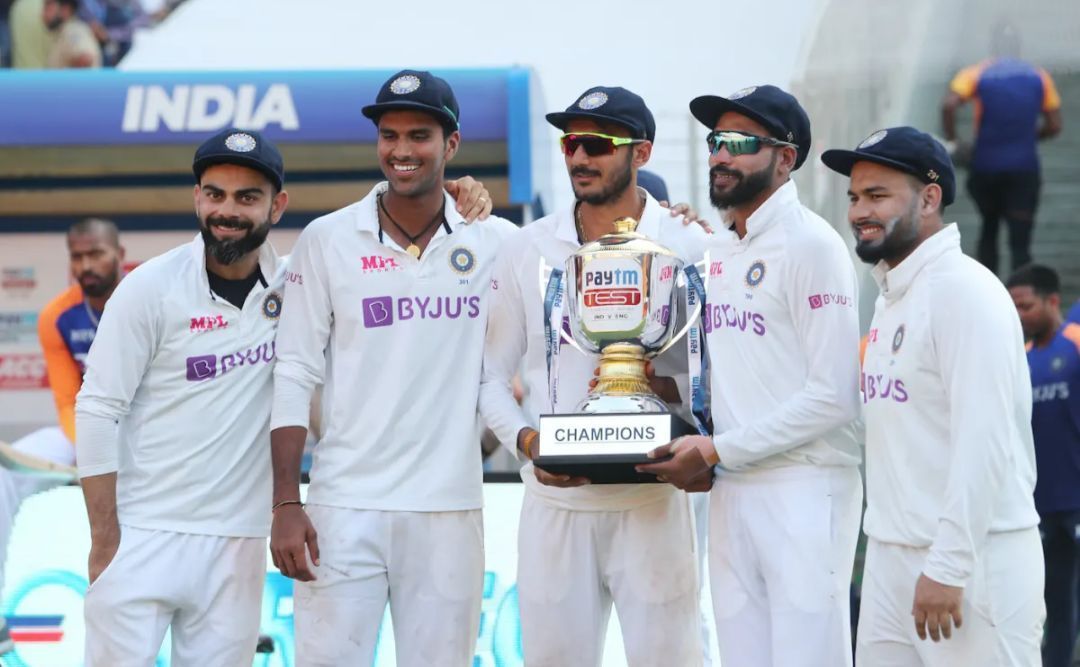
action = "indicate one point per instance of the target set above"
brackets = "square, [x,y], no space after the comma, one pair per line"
[609,105]
[246,148]
[416,90]
[653,183]
[777,110]
[903,148]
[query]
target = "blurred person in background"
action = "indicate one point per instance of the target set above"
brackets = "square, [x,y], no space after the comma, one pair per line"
[1010,95]
[115,22]
[5,33]
[73,43]
[66,328]
[1054,359]
[30,39]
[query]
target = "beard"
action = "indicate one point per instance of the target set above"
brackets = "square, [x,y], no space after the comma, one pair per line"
[229,251]
[610,191]
[104,284]
[747,187]
[899,236]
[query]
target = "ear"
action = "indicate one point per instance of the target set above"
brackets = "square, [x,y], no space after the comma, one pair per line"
[930,199]
[1054,300]
[786,164]
[452,143]
[121,252]
[642,153]
[195,197]
[278,206]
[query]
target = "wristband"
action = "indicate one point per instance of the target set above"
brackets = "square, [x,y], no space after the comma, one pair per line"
[527,443]
[286,502]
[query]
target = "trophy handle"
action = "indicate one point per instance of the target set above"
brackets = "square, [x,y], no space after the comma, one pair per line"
[545,277]
[682,282]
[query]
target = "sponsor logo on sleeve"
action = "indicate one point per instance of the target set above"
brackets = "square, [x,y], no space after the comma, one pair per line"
[826,299]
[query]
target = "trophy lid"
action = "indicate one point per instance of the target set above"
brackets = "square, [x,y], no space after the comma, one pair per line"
[624,239]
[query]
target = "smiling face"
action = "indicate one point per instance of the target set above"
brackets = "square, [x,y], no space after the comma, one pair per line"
[413,151]
[236,206]
[737,180]
[884,212]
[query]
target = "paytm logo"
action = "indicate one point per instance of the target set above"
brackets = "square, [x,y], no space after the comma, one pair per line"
[207,107]
[381,311]
[209,366]
[611,277]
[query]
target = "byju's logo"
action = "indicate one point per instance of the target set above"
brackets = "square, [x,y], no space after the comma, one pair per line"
[378,312]
[382,311]
[202,367]
[209,366]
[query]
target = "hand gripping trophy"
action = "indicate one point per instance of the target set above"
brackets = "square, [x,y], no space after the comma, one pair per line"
[623,293]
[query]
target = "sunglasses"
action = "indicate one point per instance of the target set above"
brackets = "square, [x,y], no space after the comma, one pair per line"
[738,143]
[595,144]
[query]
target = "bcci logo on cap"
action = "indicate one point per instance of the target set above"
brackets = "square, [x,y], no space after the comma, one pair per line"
[403,85]
[873,139]
[241,142]
[593,101]
[739,94]
[462,261]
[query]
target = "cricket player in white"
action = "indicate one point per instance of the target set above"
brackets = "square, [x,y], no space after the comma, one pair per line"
[387,306]
[582,547]
[172,428]
[782,335]
[954,550]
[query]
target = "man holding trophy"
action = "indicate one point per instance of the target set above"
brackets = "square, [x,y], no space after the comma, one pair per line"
[783,339]
[583,546]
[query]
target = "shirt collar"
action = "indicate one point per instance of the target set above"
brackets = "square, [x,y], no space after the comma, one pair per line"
[367,213]
[894,282]
[771,211]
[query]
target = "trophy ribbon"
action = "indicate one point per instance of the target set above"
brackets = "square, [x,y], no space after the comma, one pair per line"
[696,355]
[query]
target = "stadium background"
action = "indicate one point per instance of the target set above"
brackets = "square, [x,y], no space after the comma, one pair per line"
[856,66]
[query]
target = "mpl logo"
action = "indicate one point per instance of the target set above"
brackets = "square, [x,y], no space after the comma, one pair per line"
[716,269]
[379,264]
[381,311]
[209,366]
[666,273]
[207,323]
[208,107]
[612,296]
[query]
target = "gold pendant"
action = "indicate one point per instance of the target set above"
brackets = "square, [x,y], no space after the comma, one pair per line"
[413,250]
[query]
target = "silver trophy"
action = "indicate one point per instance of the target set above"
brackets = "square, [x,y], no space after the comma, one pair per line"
[623,292]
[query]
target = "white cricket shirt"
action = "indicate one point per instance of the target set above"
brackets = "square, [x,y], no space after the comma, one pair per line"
[186,376]
[949,451]
[782,331]
[399,343]
[515,340]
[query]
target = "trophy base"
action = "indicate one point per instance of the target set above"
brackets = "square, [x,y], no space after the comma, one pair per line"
[600,468]
[611,461]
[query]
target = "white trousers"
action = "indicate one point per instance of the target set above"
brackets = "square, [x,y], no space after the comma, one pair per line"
[781,552]
[573,564]
[1003,611]
[207,588]
[429,565]
[48,443]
